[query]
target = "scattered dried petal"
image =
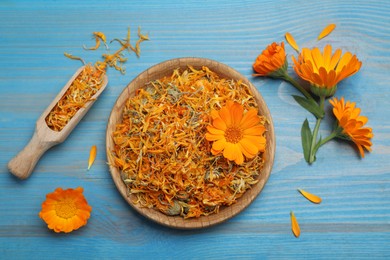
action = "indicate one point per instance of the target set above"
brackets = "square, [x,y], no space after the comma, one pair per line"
[92,156]
[290,39]
[294,225]
[327,30]
[311,197]
[98,36]
[89,81]
[70,56]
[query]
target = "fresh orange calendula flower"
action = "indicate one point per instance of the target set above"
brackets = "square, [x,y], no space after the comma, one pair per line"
[325,70]
[236,134]
[65,210]
[351,123]
[272,61]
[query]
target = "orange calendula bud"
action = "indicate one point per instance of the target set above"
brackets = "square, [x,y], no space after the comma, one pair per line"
[271,62]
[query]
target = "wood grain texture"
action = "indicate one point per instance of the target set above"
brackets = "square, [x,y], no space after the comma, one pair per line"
[165,69]
[353,219]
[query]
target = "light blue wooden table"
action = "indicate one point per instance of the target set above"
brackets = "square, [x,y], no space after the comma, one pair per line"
[353,221]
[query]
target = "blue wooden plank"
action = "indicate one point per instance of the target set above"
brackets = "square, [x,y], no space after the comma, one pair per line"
[353,221]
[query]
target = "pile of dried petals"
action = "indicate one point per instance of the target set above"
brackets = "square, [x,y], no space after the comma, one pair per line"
[163,144]
[90,80]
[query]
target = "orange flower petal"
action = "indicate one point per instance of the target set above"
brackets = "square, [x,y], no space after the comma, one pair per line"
[254,130]
[244,150]
[327,30]
[212,137]
[249,146]
[258,141]
[219,124]
[215,131]
[92,156]
[239,158]
[219,145]
[290,39]
[311,197]
[236,113]
[229,151]
[335,59]
[225,115]
[294,225]
[250,119]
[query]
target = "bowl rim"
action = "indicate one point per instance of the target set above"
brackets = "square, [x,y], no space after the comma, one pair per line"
[225,213]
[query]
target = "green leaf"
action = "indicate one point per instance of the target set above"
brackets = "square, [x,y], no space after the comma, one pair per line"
[306,139]
[310,105]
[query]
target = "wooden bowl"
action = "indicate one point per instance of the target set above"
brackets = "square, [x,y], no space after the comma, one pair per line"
[165,69]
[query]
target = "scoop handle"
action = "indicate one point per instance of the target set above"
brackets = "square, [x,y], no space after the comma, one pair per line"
[24,162]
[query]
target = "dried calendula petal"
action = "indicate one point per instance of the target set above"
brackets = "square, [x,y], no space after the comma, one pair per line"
[70,56]
[98,36]
[290,39]
[327,30]
[92,156]
[311,197]
[294,225]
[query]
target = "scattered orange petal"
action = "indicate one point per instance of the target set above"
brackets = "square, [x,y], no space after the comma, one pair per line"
[290,39]
[327,30]
[294,225]
[92,156]
[311,197]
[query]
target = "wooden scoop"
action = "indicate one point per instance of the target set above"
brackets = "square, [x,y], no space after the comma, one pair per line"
[44,137]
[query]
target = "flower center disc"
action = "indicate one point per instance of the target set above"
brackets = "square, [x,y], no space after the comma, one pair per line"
[66,209]
[233,134]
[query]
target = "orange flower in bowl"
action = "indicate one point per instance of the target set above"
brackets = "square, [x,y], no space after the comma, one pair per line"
[236,134]
[271,62]
[350,124]
[65,210]
[324,70]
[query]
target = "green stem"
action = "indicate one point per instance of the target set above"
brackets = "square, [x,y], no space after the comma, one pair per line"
[287,78]
[313,149]
[325,140]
